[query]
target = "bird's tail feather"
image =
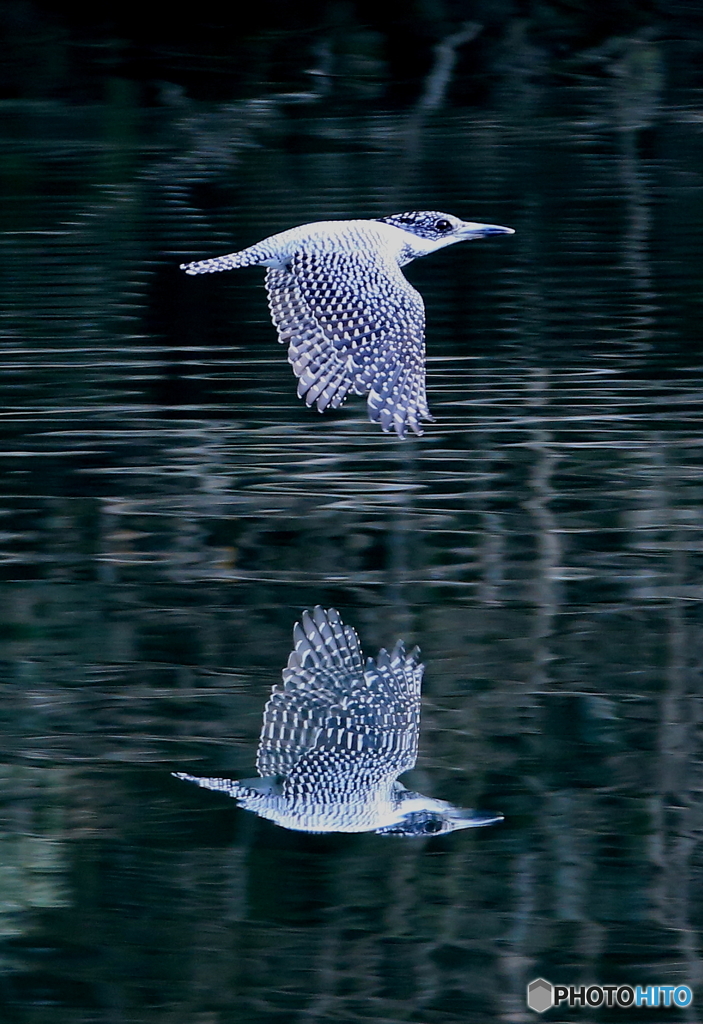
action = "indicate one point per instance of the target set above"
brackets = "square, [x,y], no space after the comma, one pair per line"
[261,253]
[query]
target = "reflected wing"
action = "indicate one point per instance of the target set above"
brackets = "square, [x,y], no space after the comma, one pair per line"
[331,708]
[326,663]
[352,322]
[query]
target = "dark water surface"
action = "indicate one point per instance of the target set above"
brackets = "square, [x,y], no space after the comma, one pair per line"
[168,507]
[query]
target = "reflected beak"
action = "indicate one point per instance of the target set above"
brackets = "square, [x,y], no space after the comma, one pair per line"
[469,230]
[475,819]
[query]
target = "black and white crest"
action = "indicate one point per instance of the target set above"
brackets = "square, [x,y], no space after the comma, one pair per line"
[428,224]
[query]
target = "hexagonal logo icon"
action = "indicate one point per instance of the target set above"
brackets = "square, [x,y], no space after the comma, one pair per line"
[540,995]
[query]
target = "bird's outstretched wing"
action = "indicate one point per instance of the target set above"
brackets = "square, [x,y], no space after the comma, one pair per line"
[333,708]
[352,322]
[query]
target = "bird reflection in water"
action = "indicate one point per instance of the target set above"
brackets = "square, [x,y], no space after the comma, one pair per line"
[335,737]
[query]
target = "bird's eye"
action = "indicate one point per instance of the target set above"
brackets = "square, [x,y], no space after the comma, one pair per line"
[433,826]
[443,226]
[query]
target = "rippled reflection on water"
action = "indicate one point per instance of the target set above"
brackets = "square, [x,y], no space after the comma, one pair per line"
[168,507]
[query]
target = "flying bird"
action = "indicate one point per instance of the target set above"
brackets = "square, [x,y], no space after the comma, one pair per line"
[351,320]
[335,737]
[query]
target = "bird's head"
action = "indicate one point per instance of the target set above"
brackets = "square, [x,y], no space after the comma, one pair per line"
[430,230]
[418,815]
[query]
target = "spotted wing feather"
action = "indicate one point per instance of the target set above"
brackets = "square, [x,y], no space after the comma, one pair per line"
[323,374]
[332,707]
[352,322]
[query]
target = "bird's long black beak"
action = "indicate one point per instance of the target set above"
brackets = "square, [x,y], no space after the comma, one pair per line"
[469,230]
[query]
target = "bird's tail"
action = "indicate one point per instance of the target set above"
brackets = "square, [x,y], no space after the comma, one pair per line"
[261,253]
[238,789]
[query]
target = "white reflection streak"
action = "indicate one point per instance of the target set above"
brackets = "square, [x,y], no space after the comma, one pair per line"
[637,85]
[544,586]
